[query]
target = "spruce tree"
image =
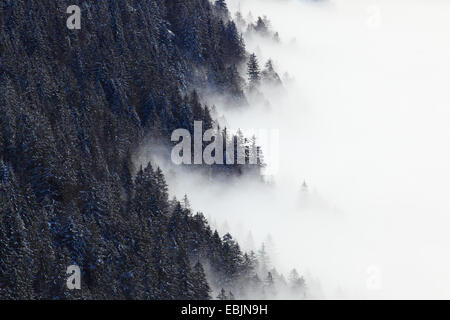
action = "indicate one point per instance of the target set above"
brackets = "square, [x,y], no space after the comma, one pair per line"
[296,282]
[269,74]
[253,71]
[263,259]
[222,295]
[222,9]
[201,286]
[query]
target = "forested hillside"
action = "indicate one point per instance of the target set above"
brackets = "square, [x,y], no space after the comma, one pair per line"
[74,106]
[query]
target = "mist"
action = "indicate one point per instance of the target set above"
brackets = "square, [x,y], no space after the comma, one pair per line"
[363,121]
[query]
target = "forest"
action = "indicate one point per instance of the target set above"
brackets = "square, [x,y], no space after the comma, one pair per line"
[74,107]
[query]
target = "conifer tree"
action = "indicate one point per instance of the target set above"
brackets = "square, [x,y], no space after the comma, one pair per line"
[263,259]
[222,9]
[296,282]
[269,74]
[222,295]
[253,71]
[201,286]
[186,203]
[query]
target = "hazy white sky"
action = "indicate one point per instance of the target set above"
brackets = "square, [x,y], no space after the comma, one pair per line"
[366,123]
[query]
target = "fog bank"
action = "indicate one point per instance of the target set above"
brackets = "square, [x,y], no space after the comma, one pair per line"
[365,123]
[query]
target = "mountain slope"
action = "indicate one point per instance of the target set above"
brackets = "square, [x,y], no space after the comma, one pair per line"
[74,106]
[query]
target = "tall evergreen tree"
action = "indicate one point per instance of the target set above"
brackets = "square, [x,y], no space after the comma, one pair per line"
[222,9]
[269,74]
[201,286]
[253,71]
[263,260]
[296,282]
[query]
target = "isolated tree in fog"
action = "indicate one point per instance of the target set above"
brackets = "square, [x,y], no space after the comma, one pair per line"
[263,259]
[296,283]
[269,74]
[239,20]
[253,71]
[186,203]
[222,295]
[262,25]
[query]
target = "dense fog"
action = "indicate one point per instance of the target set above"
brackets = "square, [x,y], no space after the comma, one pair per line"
[356,185]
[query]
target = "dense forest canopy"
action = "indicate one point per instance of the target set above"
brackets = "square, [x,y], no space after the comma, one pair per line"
[75,104]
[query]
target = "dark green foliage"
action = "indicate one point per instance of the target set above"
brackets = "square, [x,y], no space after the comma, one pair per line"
[253,71]
[74,105]
[202,290]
